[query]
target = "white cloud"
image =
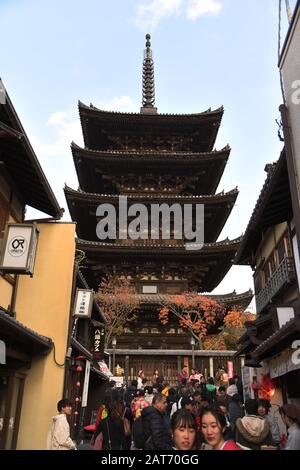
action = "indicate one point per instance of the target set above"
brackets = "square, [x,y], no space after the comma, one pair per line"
[197,8]
[149,15]
[65,126]
[119,103]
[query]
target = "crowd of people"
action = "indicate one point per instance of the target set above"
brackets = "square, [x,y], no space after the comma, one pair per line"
[198,414]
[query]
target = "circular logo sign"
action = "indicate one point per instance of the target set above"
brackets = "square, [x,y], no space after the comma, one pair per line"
[17,246]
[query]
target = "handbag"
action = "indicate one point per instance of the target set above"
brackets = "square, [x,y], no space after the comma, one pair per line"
[98,443]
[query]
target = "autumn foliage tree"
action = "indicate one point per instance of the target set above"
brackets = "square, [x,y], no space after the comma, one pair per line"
[195,313]
[231,330]
[116,297]
[199,314]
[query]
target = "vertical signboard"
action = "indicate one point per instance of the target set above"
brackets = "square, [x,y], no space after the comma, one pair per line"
[230,369]
[83,303]
[99,335]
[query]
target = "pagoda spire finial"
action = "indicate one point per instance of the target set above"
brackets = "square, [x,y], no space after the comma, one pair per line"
[148,80]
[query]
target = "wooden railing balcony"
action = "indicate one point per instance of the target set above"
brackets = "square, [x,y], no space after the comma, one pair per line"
[283,276]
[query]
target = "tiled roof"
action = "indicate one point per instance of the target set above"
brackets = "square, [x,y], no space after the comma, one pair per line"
[152,154]
[208,112]
[230,244]
[210,197]
[9,320]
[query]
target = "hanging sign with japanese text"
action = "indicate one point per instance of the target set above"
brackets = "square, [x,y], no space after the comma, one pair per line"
[83,303]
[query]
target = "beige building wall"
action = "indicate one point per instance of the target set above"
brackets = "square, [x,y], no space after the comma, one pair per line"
[5,292]
[43,304]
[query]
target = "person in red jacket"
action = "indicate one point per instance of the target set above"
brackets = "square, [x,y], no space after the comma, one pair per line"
[213,427]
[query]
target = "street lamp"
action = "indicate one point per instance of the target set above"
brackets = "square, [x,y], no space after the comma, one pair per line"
[193,342]
[114,343]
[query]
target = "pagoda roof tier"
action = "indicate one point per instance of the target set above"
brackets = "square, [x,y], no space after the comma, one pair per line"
[101,129]
[203,269]
[94,168]
[83,206]
[231,299]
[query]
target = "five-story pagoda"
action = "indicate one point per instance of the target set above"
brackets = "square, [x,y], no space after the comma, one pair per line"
[152,158]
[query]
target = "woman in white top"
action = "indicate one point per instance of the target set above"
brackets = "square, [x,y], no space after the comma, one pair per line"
[140,378]
[195,375]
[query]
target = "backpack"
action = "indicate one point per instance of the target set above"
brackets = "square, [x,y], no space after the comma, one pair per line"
[138,435]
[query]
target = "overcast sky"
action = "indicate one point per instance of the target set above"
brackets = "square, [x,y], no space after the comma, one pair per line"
[207,53]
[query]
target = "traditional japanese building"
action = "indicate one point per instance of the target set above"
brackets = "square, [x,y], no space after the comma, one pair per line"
[153,158]
[46,351]
[270,247]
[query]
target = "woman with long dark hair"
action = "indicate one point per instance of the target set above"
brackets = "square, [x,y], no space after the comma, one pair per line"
[155,377]
[110,432]
[290,415]
[213,427]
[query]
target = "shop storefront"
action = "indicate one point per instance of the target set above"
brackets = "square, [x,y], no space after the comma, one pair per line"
[21,345]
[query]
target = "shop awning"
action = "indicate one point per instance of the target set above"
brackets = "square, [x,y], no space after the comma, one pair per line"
[280,340]
[21,340]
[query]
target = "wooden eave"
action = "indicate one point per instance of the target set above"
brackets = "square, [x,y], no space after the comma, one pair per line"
[233,299]
[225,246]
[15,332]
[281,339]
[216,258]
[20,162]
[91,166]
[85,197]
[226,299]
[176,157]
[217,208]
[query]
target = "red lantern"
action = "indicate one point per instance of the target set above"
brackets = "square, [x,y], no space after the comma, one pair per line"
[76,413]
[77,399]
[268,388]
[79,369]
[78,384]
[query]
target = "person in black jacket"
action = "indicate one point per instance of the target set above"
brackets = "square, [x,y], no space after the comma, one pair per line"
[235,411]
[130,393]
[156,433]
[112,427]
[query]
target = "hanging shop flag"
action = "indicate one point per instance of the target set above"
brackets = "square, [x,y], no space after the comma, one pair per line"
[230,369]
